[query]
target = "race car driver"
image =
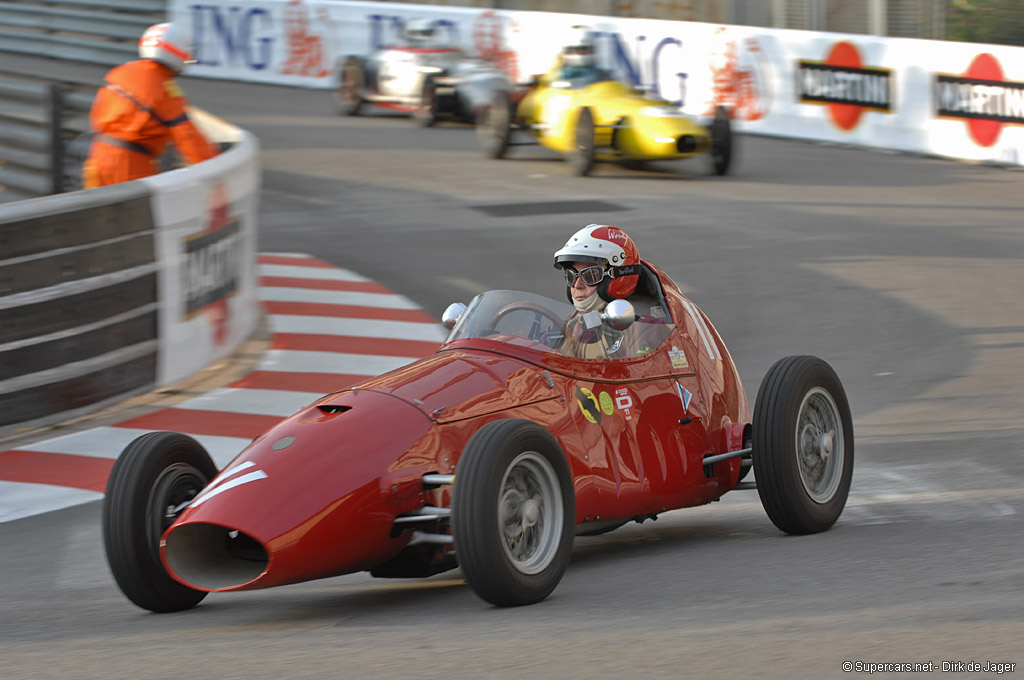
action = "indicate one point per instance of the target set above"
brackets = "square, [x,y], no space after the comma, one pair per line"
[141,108]
[601,263]
[577,63]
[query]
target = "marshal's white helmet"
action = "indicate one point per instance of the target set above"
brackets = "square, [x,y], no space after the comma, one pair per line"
[170,44]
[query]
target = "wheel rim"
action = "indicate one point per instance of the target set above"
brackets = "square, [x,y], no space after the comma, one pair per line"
[530,514]
[819,445]
[175,487]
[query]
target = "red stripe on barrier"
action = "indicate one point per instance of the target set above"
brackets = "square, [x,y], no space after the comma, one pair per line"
[191,421]
[296,261]
[323,284]
[391,347]
[320,383]
[346,311]
[59,469]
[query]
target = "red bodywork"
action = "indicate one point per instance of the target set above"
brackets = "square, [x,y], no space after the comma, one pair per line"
[318,493]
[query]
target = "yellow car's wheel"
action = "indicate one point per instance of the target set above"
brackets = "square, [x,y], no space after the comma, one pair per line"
[581,158]
[721,141]
[494,126]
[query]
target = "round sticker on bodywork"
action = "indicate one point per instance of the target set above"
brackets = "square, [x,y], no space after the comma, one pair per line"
[606,404]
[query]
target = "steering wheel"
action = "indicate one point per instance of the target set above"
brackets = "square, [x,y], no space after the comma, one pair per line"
[539,312]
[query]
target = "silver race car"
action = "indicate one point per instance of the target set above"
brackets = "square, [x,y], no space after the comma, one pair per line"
[422,79]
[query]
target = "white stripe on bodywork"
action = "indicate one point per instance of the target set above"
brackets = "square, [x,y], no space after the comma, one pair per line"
[221,488]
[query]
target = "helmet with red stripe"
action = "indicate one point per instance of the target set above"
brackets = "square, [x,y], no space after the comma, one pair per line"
[169,44]
[608,246]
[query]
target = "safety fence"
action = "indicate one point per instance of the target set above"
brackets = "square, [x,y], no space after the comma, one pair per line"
[95,31]
[114,291]
[43,135]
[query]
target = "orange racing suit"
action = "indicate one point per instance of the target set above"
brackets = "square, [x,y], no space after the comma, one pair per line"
[139,109]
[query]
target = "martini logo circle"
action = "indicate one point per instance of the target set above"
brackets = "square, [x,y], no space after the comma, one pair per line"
[844,85]
[982,98]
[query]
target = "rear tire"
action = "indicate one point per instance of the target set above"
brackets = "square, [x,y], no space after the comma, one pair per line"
[348,98]
[426,113]
[513,513]
[581,158]
[494,126]
[154,475]
[802,445]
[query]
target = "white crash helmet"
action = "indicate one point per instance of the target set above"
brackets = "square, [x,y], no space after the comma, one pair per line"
[581,50]
[170,44]
[610,247]
[419,30]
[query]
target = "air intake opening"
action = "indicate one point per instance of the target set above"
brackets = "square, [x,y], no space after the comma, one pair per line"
[686,144]
[212,557]
[334,408]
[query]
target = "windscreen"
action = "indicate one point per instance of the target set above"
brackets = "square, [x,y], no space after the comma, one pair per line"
[545,325]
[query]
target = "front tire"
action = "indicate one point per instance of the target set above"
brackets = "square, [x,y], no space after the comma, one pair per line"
[494,126]
[348,97]
[426,113]
[153,477]
[581,159]
[513,513]
[802,445]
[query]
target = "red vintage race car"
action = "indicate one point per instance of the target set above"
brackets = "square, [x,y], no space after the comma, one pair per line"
[490,455]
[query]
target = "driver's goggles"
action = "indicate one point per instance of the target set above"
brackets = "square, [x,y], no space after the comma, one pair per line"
[591,275]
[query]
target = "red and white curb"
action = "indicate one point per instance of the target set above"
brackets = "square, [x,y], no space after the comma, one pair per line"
[329,328]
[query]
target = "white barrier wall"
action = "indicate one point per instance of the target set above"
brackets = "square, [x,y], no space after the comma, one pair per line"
[206,227]
[961,100]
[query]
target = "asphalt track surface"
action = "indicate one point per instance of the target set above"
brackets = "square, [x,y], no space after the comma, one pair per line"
[903,272]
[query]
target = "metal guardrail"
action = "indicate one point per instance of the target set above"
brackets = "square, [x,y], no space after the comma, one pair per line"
[44,124]
[96,31]
[43,135]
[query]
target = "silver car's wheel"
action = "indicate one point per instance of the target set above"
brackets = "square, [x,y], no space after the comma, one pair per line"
[721,141]
[802,447]
[494,126]
[513,512]
[348,97]
[530,512]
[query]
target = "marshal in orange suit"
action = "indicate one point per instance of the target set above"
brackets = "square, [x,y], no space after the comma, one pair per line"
[140,109]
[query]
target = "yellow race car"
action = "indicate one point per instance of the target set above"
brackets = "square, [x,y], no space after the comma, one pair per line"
[596,118]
